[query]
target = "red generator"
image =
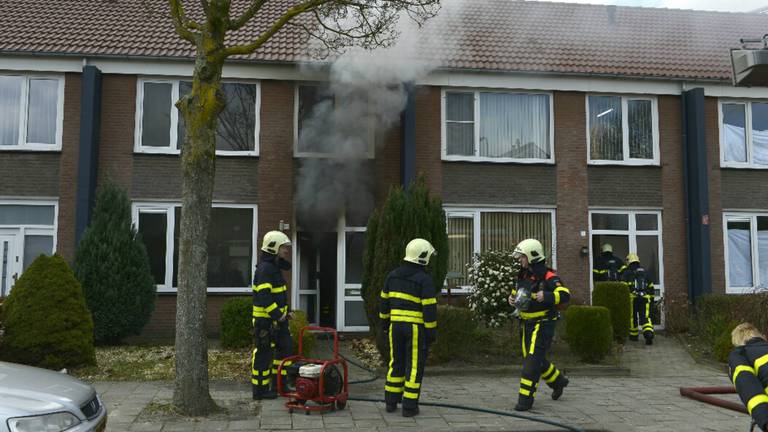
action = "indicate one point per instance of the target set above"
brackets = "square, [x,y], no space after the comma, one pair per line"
[314,384]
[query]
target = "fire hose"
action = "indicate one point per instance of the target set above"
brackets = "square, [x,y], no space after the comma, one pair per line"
[375,376]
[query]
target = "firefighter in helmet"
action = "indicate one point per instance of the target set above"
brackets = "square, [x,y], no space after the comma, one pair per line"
[640,284]
[272,338]
[608,267]
[537,296]
[408,313]
[748,369]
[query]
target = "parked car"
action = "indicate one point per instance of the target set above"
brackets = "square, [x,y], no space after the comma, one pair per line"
[40,400]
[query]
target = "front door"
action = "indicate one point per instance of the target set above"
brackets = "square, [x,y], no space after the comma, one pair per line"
[316,271]
[9,261]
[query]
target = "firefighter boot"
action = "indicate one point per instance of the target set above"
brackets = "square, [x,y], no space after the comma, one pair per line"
[263,393]
[524,403]
[558,386]
[391,408]
[409,412]
[649,340]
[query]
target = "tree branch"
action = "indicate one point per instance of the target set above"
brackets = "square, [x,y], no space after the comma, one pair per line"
[246,16]
[181,23]
[276,26]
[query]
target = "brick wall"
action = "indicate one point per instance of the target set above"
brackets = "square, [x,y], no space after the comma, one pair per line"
[162,324]
[673,213]
[387,162]
[70,151]
[622,186]
[39,172]
[428,158]
[118,107]
[572,183]
[717,253]
[744,189]
[490,183]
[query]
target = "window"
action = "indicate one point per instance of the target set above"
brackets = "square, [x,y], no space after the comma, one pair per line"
[476,230]
[231,241]
[630,231]
[27,230]
[31,112]
[746,252]
[160,126]
[744,134]
[622,130]
[322,126]
[497,126]
[354,317]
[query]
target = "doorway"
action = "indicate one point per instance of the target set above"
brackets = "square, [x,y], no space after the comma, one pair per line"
[8,264]
[317,267]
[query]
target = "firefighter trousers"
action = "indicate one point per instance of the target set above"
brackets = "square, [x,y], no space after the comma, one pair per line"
[536,339]
[640,316]
[261,357]
[407,355]
[282,347]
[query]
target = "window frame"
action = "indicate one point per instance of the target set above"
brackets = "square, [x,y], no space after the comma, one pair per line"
[174,149]
[749,164]
[627,160]
[751,217]
[476,212]
[22,144]
[369,154]
[476,157]
[168,208]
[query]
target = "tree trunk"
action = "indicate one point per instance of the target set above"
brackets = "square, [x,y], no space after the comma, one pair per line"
[200,110]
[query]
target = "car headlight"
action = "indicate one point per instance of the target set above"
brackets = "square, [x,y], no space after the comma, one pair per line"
[56,422]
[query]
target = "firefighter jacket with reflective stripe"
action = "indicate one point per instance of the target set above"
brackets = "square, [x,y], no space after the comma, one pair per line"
[607,268]
[409,296]
[638,279]
[538,277]
[270,294]
[748,367]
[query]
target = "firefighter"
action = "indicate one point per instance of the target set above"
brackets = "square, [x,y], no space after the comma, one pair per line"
[640,284]
[608,267]
[408,313]
[537,296]
[748,368]
[272,338]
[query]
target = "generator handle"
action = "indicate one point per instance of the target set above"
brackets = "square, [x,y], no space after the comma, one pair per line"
[319,329]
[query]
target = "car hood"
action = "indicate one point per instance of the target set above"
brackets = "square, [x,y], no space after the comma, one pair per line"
[26,390]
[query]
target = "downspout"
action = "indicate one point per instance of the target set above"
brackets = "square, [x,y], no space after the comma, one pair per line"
[87,167]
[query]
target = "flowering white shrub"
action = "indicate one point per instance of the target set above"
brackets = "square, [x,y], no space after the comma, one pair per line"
[492,275]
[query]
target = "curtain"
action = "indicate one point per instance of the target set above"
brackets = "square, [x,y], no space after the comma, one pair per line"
[42,109]
[605,134]
[640,118]
[762,250]
[760,133]
[734,127]
[460,245]
[739,254]
[10,102]
[460,123]
[503,230]
[514,125]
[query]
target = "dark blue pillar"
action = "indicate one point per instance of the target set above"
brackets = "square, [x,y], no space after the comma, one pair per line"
[696,194]
[87,167]
[408,141]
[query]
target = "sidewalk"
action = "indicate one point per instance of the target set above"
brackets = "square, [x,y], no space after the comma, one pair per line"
[647,400]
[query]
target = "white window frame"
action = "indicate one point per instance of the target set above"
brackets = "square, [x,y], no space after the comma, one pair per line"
[174,149]
[369,154]
[655,161]
[750,217]
[22,144]
[343,286]
[21,230]
[747,133]
[475,214]
[168,209]
[476,157]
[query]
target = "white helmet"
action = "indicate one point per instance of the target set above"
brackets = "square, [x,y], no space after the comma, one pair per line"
[273,240]
[531,248]
[419,251]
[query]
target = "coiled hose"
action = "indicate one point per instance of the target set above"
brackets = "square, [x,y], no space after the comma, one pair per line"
[375,376]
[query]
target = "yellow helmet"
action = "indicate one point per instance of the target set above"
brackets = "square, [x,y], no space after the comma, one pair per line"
[607,247]
[273,240]
[632,257]
[419,251]
[531,248]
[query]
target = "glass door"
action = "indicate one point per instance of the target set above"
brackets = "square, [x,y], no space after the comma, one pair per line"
[9,261]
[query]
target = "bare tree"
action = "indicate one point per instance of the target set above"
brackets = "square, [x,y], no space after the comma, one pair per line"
[334,24]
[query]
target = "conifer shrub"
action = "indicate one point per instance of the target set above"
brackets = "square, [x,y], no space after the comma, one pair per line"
[615,297]
[113,267]
[588,332]
[47,323]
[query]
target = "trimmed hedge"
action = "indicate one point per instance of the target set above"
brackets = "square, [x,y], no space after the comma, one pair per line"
[715,316]
[47,323]
[237,326]
[457,334]
[589,332]
[615,297]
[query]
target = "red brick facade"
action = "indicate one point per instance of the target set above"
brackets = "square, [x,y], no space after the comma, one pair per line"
[70,151]
[717,254]
[428,152]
